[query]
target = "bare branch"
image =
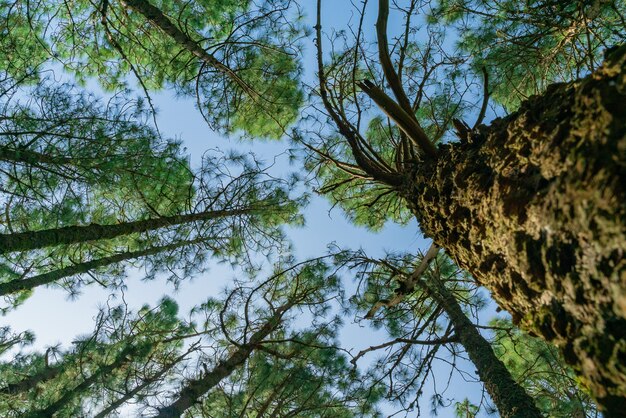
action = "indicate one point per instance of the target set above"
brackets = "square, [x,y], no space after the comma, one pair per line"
[405,121]
[483,108]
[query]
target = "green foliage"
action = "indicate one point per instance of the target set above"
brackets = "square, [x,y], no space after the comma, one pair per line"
[465,409]
[21,51]
[246,79]
[68,158]
[309,381]
[299,371]
[542,371]
[140,358]
[68,182]
[124,351]
[366,203]
[527,46]
[438,93]
[419,334]
[61,150]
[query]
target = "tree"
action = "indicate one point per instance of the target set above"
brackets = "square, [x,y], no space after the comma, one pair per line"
[230,207]
[426,305]
[126,352]
[143,358]
[253,319]
[529,205]
[534,44]
[309,379]
[62,148]
[238,58]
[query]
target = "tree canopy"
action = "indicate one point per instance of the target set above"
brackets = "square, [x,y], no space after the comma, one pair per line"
[494,132]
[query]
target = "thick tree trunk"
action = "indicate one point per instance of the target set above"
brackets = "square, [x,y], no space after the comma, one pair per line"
[534,206]
[509,397]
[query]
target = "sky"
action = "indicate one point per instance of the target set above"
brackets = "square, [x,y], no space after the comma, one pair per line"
[55,319]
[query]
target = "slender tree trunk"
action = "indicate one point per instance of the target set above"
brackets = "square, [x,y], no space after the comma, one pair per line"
[509,397]
[534,206]
[52,276]
[157,18]
[31,240]
[195,389]
[123,357]
[268,401]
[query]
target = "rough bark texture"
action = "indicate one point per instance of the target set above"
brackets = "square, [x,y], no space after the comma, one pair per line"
[509,397]
[533,205]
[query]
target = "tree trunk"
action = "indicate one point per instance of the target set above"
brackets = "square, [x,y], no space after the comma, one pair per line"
[195,389]
[125,356]
[31,240]
[509,397]
[534,206]
[28,157]
[31,382]
[157,18]
[30,283]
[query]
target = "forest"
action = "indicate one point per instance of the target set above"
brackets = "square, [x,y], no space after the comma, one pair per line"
[382,208]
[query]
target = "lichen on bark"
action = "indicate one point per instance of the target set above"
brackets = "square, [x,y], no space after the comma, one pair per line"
[533,205]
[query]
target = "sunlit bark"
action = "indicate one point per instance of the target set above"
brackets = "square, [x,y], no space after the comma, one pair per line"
[533,205]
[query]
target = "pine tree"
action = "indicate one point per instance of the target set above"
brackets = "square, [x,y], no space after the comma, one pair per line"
[170,366]
[530,204]
[229,218]
[426,311]
[237,58]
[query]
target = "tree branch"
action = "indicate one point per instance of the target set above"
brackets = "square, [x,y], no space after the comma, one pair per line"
[408,285]
[405,121]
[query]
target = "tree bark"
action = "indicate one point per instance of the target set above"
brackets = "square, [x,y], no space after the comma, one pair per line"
[28,157]
[30,382]
[534,206]
[31,240]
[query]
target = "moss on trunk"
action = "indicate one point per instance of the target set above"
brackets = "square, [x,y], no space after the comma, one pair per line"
[534,206]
